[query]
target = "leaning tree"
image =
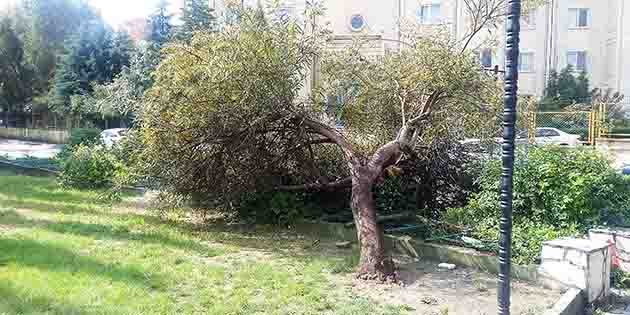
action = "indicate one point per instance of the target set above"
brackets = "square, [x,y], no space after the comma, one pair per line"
[229,115]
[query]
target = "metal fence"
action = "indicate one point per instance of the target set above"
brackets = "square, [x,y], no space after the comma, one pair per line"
[589,121]
[43,135]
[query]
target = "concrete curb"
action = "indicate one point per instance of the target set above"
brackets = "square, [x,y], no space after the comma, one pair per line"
[408,246]
[571,303]
[488,262]
[27,170]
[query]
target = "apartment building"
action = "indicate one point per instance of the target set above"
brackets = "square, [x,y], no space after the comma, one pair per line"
[589,35]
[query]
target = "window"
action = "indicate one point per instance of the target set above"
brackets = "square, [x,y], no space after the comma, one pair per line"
[526,62]
[577,60]
[357,22]
[486,58]
[544,132]
[429,13]
[528,20]
[579,18]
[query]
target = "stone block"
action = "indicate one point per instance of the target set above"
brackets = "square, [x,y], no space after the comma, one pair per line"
[578,263]
[552,253]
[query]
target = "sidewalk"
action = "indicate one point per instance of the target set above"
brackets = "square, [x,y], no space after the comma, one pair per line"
[15,149]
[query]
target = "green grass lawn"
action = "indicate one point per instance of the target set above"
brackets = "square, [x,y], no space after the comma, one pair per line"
[64,252]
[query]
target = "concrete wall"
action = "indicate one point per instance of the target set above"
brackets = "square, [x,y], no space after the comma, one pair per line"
[42,135]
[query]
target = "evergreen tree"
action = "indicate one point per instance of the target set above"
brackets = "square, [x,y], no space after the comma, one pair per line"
[91,56]
[582,91]
[552,89]
[122,50]
[160,24]
[567,87]
[196,16]
[550,100]
[53,22]
[16,75]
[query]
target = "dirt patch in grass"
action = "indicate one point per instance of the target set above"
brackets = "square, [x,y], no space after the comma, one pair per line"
[427,290]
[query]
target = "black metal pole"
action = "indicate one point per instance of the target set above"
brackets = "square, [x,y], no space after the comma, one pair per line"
[513,29]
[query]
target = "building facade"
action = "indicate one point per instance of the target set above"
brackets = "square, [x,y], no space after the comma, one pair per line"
[589,35]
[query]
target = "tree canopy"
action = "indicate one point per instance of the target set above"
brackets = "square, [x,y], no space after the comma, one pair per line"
[564,89]
[227,115]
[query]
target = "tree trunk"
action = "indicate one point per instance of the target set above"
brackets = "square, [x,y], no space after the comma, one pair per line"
[374,263]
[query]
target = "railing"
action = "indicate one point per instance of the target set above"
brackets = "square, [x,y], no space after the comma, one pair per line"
[42,135]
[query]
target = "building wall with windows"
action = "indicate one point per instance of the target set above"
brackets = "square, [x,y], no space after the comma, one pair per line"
[591,35]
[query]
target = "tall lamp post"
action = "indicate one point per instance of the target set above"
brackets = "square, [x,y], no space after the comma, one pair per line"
[513,29]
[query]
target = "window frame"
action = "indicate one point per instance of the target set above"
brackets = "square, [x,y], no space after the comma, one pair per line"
[431,19]
[481,57]
[577,53]
[528,21]
[574,20]
[532,62]
[357,16]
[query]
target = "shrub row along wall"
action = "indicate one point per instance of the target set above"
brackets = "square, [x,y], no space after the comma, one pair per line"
[43,135]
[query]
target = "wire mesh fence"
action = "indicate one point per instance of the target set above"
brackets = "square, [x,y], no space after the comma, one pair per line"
[562,124]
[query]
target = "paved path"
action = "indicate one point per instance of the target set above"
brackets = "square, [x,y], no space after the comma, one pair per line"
[15,149]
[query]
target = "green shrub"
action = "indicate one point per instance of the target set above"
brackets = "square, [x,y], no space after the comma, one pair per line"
[557,192]
[280,208]
[85,136]
[619,279]
[90,167]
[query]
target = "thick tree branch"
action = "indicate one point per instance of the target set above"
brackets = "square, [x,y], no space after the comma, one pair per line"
[340,184]
[384,157]
[335,137]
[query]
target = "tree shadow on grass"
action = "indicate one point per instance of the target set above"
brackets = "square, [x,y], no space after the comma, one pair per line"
[12,301]
[103,231]
[25,252]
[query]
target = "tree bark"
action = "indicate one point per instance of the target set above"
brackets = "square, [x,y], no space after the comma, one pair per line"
[374,264]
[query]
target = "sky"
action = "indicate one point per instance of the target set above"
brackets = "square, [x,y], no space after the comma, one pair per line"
[116,12]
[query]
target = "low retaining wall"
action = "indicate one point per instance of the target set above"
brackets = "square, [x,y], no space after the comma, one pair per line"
[43,135]
[571,303]
[487,262]
[408,246]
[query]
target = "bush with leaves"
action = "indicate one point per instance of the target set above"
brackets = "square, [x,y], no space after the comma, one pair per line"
[90,167]
[557,192]
[78,136]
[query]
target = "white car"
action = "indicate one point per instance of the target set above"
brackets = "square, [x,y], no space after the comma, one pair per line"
[545,136]
[109,137]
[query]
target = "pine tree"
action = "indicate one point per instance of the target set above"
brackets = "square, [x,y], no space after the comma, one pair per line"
[567,87]
[91,56]
[16,75]
[582,91]
[550,100]
[552,85]
[196,16]
[160,24]
[121,51]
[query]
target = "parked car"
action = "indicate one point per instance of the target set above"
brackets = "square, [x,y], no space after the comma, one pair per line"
[555,136]
[109,137]
[625,170]
[544,136]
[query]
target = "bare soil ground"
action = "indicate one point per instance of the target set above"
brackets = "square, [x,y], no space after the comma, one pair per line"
[426,290]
